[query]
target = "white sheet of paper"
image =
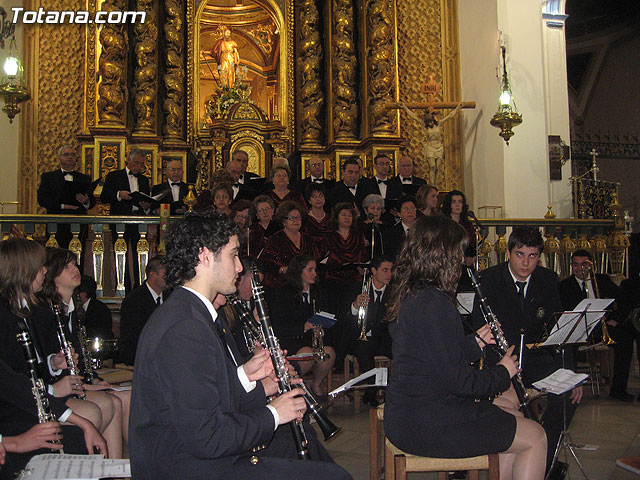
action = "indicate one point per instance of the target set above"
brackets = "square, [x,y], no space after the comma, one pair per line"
[380,380]
[53,466]
[563,326]
[560,381]
[465,302]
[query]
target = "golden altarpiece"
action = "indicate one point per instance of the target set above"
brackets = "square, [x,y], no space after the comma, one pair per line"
[200,79]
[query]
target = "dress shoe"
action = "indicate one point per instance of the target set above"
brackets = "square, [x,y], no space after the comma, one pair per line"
[558,471]
[623,397]
[373,403]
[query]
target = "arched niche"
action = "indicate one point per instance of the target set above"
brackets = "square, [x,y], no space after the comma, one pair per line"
[264,34]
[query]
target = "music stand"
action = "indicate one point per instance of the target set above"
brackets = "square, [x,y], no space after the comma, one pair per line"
[574,330]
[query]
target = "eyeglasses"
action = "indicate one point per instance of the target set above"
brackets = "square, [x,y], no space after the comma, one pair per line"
[264,210]
[294,218]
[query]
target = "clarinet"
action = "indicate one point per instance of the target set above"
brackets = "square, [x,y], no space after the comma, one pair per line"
[87,360]
[502,346]
[65,345]
[279,365]
[37,385]
[252,334]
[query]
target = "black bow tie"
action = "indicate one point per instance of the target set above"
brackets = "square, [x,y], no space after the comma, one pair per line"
[382,181]
[64,172]
[174,184]
[237,185]
[137,175]
[318,180]
[406,180]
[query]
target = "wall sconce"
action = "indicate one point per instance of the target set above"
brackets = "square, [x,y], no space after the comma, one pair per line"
[12,90]
[507,115]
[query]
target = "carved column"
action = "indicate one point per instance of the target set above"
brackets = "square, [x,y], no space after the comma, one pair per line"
[381,66]
[112,68]
[311,96]
[344,61]
[173,104]
[146,72]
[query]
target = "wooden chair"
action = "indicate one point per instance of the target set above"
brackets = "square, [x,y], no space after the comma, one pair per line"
[397,464]
[376,443]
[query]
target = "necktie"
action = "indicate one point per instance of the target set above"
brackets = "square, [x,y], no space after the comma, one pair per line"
[585,292]
[378,296]
[221,332]
[236,185]
[305,297]
[382,181]
[159,301]
[521,286]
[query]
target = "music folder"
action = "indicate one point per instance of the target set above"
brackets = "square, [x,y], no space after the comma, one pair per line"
[137,197]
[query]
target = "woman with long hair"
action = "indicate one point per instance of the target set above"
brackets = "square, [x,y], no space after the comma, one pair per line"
[291,308]
[22,272]
[427,199]
[455,206]
[431,408]
[59,288]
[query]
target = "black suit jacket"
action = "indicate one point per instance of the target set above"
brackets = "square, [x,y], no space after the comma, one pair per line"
[54,190]
[341,193]
[117,181]
[393,239]
[394,191]
[163,187]
[301,185]
[245,193]
[408,188]
[135,311]
[186,420]
[98,320]
[254,182]
[541,302]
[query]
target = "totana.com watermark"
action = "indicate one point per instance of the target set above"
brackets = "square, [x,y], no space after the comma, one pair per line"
[20,15]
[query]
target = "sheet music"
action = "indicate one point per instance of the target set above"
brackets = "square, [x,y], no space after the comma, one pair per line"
[565,323]
[380,380]
[560,381]
[465,302]
[53,466]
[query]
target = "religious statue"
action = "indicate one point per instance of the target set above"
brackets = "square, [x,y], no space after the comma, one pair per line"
[434,145]
[225,52]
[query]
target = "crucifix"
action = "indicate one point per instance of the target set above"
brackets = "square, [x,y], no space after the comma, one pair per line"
[594,164]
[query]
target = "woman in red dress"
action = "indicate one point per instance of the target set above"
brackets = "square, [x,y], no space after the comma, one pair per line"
[280,176]
[283,246]
[317,223]
[263,226]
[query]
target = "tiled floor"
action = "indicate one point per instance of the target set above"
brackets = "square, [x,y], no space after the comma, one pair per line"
[611,425]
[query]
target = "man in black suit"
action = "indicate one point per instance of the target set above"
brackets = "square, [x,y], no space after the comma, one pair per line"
[394,237]
[97,316]
[405,178]
[138,306]
[174,186]
[525,296]
[68,192]
[252,181]
[382,185]
[187,419]
[378,340]
[240,190]
[580,285]
[117,190]
[351,188]
[315,167]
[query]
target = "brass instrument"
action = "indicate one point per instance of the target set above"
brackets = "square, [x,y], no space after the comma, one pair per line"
[317,339]
[502,344]
[284,379]
[363,309]
[65,345]
[37,385]
[588,266]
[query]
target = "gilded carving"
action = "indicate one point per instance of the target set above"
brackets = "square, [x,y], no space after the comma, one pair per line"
[90,119]
[112,68]
[311,98]
[345,110]
[203,170]
[263,35]
[173,104]
[380,65]
[247,133]
[146,73]
[246,112]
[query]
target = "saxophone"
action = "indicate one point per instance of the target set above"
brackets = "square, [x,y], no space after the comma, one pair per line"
[503,346]
[65,345]
[37,385]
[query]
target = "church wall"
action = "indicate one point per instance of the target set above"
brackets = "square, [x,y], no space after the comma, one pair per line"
[9,132]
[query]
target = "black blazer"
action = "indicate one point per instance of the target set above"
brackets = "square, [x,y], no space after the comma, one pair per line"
[186,420]
[254,181]
[135,310]
[301,185]
[394,239]
[394,191]
[541,302]
[98,320]
[162,187]
[117,181]
[432,381]
[54,190]
[341,193]
[244,193]
[408,188]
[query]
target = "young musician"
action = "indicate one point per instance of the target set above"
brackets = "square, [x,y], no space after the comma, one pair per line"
[188,392]
[21,275]
[436,403]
